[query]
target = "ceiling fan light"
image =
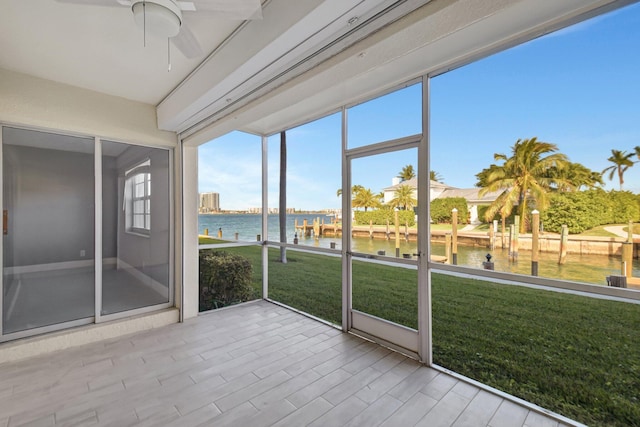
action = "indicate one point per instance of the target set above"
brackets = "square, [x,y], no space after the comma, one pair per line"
[161,20]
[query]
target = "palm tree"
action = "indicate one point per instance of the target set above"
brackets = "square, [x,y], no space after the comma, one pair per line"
[354,190]
[435,176]
[282,211]
[403,198]
[407,173]
[364,198]
[522,177]
[621,162]
[483,176]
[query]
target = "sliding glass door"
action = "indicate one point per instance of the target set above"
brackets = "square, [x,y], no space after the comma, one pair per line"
[67,202]
[48,233]
[135,227]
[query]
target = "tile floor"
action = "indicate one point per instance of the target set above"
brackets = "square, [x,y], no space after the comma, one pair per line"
[256,364]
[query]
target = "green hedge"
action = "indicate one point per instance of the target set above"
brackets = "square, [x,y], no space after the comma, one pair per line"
[441,210]
[380,217]
[584,210]
[225,279]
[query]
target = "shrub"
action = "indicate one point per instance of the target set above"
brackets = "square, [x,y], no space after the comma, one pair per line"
[225,279]
[441,210]
[380,217]
[624,206]
[482,211]
[583,210]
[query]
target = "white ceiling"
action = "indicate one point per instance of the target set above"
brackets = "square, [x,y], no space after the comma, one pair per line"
[98,47]
[302,59]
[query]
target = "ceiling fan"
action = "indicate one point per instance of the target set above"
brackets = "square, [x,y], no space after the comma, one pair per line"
[168,18]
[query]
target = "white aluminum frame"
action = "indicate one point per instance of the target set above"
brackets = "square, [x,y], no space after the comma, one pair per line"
[265,217]
[425,336]
[386,332]
[97,224]
[346,229]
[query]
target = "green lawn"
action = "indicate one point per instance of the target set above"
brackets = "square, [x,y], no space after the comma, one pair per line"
[443,227]
[598,231]
[636,228]
[574,355]
[209,240]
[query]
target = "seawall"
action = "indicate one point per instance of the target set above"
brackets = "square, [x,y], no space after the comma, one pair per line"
[548,242]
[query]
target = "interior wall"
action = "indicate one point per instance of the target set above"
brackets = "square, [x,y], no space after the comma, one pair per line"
[147,253]
[30,101]
[109,208]
[38,201]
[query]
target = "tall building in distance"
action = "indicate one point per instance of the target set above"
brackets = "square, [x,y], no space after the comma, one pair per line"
[209,202]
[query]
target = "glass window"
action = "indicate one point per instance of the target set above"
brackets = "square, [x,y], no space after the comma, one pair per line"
[138,198]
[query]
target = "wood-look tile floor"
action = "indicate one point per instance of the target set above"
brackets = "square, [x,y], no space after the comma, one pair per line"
[256,364]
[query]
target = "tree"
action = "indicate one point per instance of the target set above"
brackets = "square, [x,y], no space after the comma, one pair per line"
[364,198]
[435,176]
[407,173]
[483,176]
[403,198]
[621,162]
[282,211]
[574,176]
[354,190]
[522,177]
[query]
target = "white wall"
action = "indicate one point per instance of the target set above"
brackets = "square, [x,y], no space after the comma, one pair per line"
[50,204]
[190,250]
[34,102]
[149,254]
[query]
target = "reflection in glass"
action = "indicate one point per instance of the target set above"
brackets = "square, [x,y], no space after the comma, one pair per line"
[135,228]
[48,242]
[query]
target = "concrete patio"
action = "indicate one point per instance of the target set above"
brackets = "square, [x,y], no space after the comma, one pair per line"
[256,364]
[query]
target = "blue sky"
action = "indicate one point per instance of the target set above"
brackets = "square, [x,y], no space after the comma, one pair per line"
[578,88]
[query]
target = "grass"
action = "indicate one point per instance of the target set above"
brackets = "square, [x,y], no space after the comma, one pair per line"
[636,228]
[574,355]
[209,240]
[443,227]
[598,231]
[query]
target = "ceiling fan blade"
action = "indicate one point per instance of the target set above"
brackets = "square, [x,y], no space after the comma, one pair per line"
[231,9]
[116,3]
[186,6]
[187,43]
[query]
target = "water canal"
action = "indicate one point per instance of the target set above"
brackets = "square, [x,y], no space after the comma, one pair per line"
[580,268]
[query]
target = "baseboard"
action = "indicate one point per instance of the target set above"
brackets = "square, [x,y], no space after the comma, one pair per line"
[148,281]
[38,268]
